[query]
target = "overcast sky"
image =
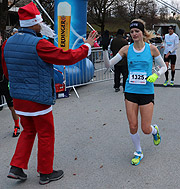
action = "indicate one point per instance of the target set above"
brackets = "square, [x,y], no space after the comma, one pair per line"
[173,2]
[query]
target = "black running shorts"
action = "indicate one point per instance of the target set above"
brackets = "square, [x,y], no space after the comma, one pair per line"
[171,58]
[140,99]
[4,90]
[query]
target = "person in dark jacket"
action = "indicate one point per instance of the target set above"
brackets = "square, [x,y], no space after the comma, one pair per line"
[4,91]
[121,67]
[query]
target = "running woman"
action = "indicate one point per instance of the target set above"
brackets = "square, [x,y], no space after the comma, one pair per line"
[170,46]
[139,88]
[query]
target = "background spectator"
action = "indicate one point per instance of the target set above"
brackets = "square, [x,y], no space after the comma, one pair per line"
[121,67]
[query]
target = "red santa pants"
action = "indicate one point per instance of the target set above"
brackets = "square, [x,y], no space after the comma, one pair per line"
[43,126]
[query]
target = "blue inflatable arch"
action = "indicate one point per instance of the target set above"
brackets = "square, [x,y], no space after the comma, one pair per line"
[71,15]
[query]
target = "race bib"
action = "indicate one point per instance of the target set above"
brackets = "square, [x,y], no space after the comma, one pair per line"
[169,43]
[138,78]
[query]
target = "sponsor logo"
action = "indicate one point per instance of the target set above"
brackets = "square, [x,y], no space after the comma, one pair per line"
[63,30]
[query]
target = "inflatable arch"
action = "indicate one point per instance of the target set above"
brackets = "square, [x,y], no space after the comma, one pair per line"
[71,15]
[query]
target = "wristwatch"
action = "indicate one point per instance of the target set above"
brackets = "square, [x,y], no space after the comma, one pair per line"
[170,52]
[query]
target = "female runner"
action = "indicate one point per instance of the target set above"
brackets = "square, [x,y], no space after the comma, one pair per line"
[139,88]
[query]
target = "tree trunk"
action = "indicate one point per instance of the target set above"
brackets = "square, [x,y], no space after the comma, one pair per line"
[135,6]
[3,18]
[102,28]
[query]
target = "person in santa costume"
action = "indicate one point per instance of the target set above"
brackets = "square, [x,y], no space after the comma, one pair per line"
[28,64]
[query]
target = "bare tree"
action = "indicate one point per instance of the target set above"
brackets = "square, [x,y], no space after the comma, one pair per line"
[98,10]
[5,5]
[144,9]
[48,5]
[3,17]
[120,10]
[131,8]
[163,12]
[147,10]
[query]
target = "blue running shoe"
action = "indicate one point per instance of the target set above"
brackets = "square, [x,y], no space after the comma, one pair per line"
[172,83]
[137,158]
[166,83]
[156,137]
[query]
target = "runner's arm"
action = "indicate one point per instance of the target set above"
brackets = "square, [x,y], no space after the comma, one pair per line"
[158,60]
[110,63]
[163,68]
[176,44]
[118,57]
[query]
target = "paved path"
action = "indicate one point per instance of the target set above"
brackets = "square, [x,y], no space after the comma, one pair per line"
[93,145]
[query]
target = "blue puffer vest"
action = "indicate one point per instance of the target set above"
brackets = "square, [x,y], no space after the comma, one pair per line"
[30,77]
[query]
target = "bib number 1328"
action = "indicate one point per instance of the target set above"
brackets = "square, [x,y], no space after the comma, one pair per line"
[138,78]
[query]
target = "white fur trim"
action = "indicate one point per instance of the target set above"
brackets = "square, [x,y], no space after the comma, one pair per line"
[43,112]
[89,46]
[31,22]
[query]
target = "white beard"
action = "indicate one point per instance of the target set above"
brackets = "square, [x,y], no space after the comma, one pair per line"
[47,31]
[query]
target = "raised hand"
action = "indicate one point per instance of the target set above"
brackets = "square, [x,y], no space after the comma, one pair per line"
[93,36]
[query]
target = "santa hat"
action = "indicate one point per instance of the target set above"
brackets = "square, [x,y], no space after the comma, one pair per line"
[29,15]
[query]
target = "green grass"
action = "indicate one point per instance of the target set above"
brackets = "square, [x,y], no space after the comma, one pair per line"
[112,26]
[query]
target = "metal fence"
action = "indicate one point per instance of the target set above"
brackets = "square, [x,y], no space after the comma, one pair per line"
[101,73]
[161,50]
[89,74]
